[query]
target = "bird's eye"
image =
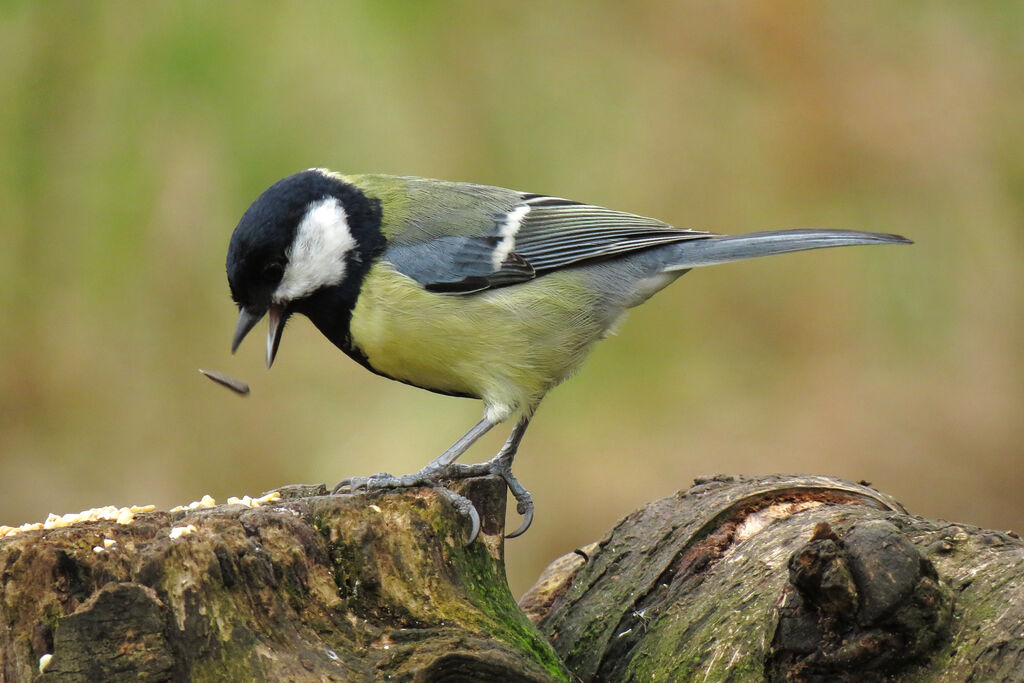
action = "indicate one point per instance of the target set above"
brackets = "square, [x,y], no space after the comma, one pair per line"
[273,272]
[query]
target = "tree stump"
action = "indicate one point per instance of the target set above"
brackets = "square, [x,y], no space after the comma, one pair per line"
[735,579]
[311,588]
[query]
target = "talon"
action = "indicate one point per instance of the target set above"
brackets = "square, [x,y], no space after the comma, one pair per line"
[465,506]
[527,520]
[340,487]
[524,502]
[474,518]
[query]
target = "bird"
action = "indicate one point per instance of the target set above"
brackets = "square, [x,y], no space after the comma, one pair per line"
[465,289]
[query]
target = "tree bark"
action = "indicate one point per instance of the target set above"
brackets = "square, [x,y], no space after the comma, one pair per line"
[736,579]
[310,588]
[786,579]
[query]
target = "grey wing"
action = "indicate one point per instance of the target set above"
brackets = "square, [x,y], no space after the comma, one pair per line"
[555,233]
[537,235]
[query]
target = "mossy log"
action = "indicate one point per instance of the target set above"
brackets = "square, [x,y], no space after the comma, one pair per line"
[786,579]
[735,579]
[310,588]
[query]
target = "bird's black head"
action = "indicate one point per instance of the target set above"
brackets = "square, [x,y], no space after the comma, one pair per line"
[306,233]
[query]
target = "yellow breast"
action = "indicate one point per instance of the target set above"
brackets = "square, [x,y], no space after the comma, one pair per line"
[508,346]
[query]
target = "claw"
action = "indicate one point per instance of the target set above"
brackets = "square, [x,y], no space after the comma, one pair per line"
[527,521]
[466,507]
[474,530]
[352,485]
[524,501]
[378,480]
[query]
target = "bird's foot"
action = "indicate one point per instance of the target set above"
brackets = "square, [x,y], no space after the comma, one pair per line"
[433,475]
[501,465]
[383,480]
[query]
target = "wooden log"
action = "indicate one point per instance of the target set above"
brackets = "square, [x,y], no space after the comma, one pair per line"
[735,579]
[310,588]
[786,579]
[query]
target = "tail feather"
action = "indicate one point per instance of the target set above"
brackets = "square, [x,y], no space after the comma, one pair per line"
[715,250]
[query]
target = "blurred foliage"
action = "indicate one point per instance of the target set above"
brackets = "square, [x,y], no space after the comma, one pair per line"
[133,135]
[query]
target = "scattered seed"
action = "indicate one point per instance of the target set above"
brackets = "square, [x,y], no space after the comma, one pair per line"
[179,531]
[207,501]
[251,502]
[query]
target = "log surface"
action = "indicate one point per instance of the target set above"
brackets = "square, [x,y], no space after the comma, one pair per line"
[774,578]
[786,579]
[311,588]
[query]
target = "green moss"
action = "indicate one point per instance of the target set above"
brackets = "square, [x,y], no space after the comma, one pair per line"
[481,602]
[490,595]
[233,663]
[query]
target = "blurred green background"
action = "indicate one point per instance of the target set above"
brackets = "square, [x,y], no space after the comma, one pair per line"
[134,135]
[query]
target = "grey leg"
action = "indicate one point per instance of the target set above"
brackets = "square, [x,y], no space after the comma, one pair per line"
[444,467]
[462,445]
[503,466]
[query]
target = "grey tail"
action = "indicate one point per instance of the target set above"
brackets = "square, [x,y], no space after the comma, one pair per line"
[715,250]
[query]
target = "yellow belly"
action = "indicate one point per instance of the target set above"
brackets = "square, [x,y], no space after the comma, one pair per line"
[508,346]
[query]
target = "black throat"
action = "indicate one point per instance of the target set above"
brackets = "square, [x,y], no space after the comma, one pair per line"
[330,308]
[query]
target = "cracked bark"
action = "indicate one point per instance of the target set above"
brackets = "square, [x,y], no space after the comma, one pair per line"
[786,579]
[735,579]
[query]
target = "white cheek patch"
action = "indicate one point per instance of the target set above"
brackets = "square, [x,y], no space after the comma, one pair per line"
[316,257]
[508,230]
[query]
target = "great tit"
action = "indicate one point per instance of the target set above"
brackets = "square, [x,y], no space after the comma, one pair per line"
[463,289]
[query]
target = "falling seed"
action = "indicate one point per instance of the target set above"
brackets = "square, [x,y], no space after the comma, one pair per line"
[235,385]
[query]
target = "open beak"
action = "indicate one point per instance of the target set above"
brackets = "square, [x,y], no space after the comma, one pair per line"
[247,319]
[275,317]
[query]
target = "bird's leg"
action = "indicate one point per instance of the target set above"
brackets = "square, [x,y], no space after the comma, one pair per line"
[502,465]
[462,445]
[444,467]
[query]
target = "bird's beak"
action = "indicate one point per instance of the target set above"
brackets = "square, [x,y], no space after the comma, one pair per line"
[276,318]
[247,319]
